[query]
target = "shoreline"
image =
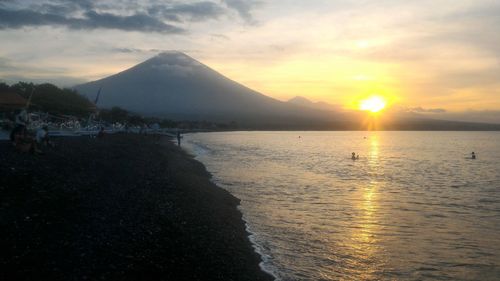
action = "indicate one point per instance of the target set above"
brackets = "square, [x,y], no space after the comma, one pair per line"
[250,235]
[121,208]
[258,250]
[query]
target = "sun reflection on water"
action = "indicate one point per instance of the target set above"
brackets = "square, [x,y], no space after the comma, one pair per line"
[396,213]
[365,243]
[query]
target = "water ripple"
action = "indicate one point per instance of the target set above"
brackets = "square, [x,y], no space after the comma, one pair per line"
[411,208]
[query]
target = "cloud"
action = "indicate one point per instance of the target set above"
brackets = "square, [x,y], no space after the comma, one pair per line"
[136,50]
[6,66]
[483,116]
[126,50]
[137,22]
[90,20]
[198,11]
[143,16]
[476,27]
[243,7]
[423,110]
[61,81]
[11,73]
[216,36]
[9,66]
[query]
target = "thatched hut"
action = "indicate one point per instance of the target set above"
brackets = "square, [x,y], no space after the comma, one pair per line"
[11,101]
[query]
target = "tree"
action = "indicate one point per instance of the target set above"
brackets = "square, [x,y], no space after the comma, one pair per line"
[4,88]
[50,98]
[115,114]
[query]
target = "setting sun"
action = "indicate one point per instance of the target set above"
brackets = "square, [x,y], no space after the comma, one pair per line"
[373,104]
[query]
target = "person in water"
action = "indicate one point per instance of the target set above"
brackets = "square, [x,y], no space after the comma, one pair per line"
[353,156]
[473,156]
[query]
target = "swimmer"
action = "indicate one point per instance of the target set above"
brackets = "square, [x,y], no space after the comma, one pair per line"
[473,155]
[353,156]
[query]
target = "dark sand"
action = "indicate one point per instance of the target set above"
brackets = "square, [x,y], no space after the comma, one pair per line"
[119,208]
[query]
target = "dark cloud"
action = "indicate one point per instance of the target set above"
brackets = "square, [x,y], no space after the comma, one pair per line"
[151,16]
[21,18]
[90,20]
[193,11]
[243,7]
[137,22]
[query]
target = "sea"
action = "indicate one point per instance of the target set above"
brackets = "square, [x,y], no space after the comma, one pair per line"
[414,206]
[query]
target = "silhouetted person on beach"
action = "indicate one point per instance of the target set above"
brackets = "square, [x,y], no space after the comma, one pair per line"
[42,136]
[23,141]
[22,118]
[144,129]
[100,135]
[179,138]
[21,121]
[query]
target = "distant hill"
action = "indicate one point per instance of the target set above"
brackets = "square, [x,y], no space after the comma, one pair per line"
[302,101]
[176,86]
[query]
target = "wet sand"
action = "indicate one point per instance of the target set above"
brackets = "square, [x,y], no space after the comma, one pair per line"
[125,207]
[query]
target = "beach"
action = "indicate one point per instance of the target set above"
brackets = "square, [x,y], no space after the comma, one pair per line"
[124,207]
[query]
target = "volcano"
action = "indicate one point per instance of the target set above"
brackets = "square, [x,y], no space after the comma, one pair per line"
[173,85]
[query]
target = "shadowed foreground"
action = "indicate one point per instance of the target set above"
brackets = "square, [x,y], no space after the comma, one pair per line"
[120,208]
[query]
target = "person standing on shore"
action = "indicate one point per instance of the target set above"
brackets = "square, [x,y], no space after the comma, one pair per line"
[101,133]
[179,138]
[22,118]
[42,136]
[21,121]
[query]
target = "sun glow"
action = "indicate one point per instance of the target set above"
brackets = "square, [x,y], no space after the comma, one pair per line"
[373,104]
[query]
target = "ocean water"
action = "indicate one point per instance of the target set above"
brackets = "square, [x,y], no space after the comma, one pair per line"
[413,207]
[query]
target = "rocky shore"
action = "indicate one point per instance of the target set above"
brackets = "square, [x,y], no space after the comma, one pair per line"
[124,207]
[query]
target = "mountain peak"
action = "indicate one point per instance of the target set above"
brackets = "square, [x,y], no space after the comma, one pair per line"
[169,55]
[300,100]
[176,85]
[172,58]
[171,63]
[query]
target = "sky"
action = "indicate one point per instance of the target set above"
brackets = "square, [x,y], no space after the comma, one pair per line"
[440,58]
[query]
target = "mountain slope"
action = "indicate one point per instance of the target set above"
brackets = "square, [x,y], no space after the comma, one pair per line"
[174,85]
[302,101]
